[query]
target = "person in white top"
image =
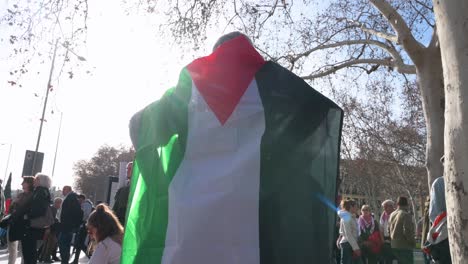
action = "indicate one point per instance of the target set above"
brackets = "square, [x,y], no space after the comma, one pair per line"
[349,233]
[104,227]
[387,255]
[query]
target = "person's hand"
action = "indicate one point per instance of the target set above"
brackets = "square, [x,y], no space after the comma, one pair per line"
[46,234]
[357,253]
[338,245]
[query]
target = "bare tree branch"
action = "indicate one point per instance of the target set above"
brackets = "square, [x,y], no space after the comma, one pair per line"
[396,62]
[409,69]
[421,14]
[380,34]
[405,37]
[434,39]
[421,3]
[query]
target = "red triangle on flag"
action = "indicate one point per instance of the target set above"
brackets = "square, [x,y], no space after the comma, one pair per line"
[223,77]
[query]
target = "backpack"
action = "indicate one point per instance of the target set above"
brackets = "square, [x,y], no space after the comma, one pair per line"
[437,238]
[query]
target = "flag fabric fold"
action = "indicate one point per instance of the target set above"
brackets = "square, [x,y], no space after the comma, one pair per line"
[232,166]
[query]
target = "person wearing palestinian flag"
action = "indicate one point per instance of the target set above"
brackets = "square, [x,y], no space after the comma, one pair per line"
[235,164]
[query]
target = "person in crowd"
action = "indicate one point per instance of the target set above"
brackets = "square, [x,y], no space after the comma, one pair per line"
[438,206]
[104,227]
[121,197]
[38,206]
[87,208]
[349,233]
[49,250]
[401,229]
[388,208]
[437,199]
[368,227]
[2,200]
[18,209]
[71,216]
[57,207]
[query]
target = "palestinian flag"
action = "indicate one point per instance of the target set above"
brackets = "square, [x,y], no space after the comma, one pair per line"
[234,166]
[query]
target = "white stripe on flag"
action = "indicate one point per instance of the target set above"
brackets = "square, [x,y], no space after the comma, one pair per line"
[213,197]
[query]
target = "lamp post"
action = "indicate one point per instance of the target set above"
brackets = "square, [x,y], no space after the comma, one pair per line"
[49,85]
[57,144]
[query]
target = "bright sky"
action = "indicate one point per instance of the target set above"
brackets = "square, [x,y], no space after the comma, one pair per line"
[131,67]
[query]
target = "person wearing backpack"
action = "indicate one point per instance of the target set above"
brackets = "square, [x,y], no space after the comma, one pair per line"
[437,208]
[71,217]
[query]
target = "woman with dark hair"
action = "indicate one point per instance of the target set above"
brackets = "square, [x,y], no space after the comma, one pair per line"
[38,206]
[104,227]
[18,209]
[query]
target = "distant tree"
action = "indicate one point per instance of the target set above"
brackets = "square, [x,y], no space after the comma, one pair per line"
[91,175]
[383,149]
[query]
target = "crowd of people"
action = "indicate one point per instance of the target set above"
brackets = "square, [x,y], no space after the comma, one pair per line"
[39,227]
[364,239]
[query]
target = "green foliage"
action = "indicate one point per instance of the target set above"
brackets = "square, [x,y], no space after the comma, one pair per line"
[92,175]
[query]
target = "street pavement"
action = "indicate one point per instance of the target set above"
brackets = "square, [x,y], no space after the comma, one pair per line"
[4,258]
[418,258]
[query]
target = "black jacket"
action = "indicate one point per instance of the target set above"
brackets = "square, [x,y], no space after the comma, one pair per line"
[19,208]
[71,215]
[39,203]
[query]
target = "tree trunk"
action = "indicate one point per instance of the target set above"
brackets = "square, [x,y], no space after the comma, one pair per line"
[431,85]
[452,27]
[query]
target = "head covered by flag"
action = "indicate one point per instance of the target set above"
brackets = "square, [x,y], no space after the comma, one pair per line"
[230,164]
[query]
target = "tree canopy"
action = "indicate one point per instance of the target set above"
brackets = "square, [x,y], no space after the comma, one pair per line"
[91,176]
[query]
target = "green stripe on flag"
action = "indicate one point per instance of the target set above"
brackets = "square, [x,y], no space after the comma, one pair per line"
[160,150]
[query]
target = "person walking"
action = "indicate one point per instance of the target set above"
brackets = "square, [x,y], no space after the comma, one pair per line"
[87,208]
[401,229]
[71,217]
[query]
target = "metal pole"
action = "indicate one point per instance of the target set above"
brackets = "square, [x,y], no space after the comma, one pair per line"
[45,106]
[8,160]
[57,144]
[7,163]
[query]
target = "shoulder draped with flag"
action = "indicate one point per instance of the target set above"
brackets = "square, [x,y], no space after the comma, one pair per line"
[234,165]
